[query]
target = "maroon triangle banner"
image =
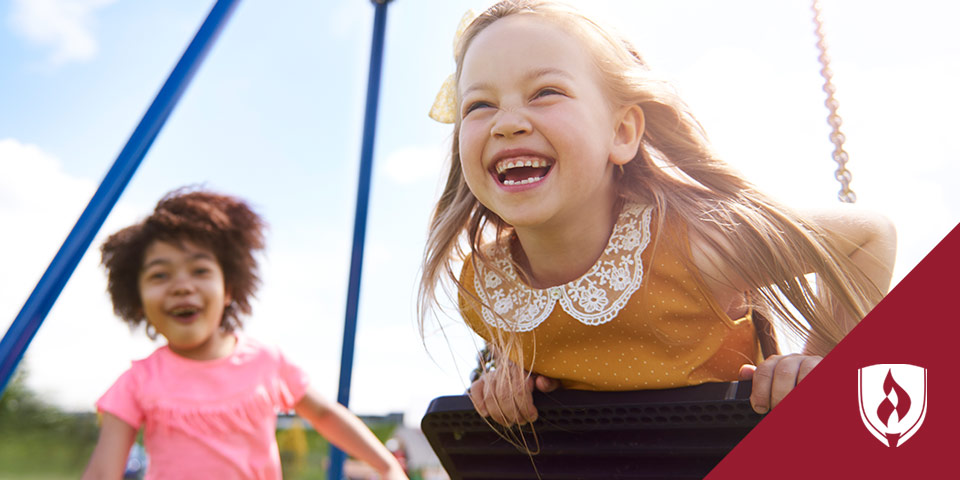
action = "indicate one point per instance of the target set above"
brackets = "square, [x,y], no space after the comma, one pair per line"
[885,403]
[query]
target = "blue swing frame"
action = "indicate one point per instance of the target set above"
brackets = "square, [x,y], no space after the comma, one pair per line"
[34,311]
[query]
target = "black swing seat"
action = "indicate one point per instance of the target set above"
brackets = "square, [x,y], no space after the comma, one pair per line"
[678,433]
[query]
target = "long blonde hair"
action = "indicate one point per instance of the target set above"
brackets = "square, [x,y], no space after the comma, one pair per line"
[677,173]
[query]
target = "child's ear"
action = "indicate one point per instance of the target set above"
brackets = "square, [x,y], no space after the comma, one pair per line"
[627,134]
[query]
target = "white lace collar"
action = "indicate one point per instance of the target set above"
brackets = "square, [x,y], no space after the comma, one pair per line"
[593,299]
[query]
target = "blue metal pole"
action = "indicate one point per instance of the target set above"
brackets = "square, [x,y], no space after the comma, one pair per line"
[337,456]
[39,303]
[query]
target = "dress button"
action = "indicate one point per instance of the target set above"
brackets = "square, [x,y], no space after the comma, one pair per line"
[555,293]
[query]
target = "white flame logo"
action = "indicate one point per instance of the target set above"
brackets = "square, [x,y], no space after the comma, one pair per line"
[893,401]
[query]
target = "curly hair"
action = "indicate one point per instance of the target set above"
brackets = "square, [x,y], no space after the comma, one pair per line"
[224,224]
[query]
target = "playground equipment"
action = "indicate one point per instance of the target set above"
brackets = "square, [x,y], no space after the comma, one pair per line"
[25,326]
[664,434]
[44,295]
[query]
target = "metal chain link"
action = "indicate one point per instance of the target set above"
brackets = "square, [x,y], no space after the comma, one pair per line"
[840,156]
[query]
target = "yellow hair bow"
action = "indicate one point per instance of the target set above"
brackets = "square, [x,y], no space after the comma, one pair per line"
[444,109]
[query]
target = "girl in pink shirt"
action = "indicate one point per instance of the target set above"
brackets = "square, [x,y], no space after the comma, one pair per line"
[207,400]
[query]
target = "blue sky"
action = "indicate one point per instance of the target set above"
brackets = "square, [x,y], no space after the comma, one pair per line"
[275,115]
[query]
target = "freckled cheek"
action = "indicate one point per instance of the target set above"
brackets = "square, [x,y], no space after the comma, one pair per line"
[469,140]
[471,174]
[471,152]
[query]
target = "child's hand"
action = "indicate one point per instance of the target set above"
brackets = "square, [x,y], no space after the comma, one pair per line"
[503,401]
[775,377]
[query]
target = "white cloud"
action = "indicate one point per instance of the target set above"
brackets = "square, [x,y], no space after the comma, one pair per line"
[64,25]
[36,195]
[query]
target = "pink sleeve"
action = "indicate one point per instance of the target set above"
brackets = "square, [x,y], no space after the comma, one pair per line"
[121,400]
[295,379]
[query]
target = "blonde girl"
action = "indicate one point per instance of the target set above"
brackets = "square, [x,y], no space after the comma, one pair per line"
[604,244]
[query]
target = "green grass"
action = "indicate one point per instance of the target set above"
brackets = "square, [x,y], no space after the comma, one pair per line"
[40,442]
[59,454]
[42,455]
[38,476]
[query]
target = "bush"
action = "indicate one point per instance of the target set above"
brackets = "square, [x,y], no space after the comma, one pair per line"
[39,439]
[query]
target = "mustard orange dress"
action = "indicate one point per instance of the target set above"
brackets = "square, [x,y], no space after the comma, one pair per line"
[640,318]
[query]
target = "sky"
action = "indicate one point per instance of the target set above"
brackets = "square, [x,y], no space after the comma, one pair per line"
[275,116]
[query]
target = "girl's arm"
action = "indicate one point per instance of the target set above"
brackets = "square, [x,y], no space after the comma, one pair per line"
[867,238]
[109,459]
[870,241]
[342,428]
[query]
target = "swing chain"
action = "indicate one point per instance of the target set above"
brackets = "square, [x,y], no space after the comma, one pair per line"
[840,155]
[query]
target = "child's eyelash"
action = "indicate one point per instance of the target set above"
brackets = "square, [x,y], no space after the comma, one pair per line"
[475,105]
[547,91]
[483,104]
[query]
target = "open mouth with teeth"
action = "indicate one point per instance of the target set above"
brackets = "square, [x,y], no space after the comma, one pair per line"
[184,313]
[522,170]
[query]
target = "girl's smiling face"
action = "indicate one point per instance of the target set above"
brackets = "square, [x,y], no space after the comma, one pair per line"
[183,296]
[537,129]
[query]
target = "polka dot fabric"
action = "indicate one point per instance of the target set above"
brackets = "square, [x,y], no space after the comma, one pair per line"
[670,334]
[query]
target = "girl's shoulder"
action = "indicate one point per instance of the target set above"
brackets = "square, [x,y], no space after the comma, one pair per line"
[248,350]
[159,356]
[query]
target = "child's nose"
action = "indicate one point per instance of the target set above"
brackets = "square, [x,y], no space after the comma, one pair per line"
[182,284]
[509,123]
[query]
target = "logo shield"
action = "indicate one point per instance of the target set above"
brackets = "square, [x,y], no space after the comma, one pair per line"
[893,401]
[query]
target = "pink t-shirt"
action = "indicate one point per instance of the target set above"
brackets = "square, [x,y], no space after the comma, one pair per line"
[208,419]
